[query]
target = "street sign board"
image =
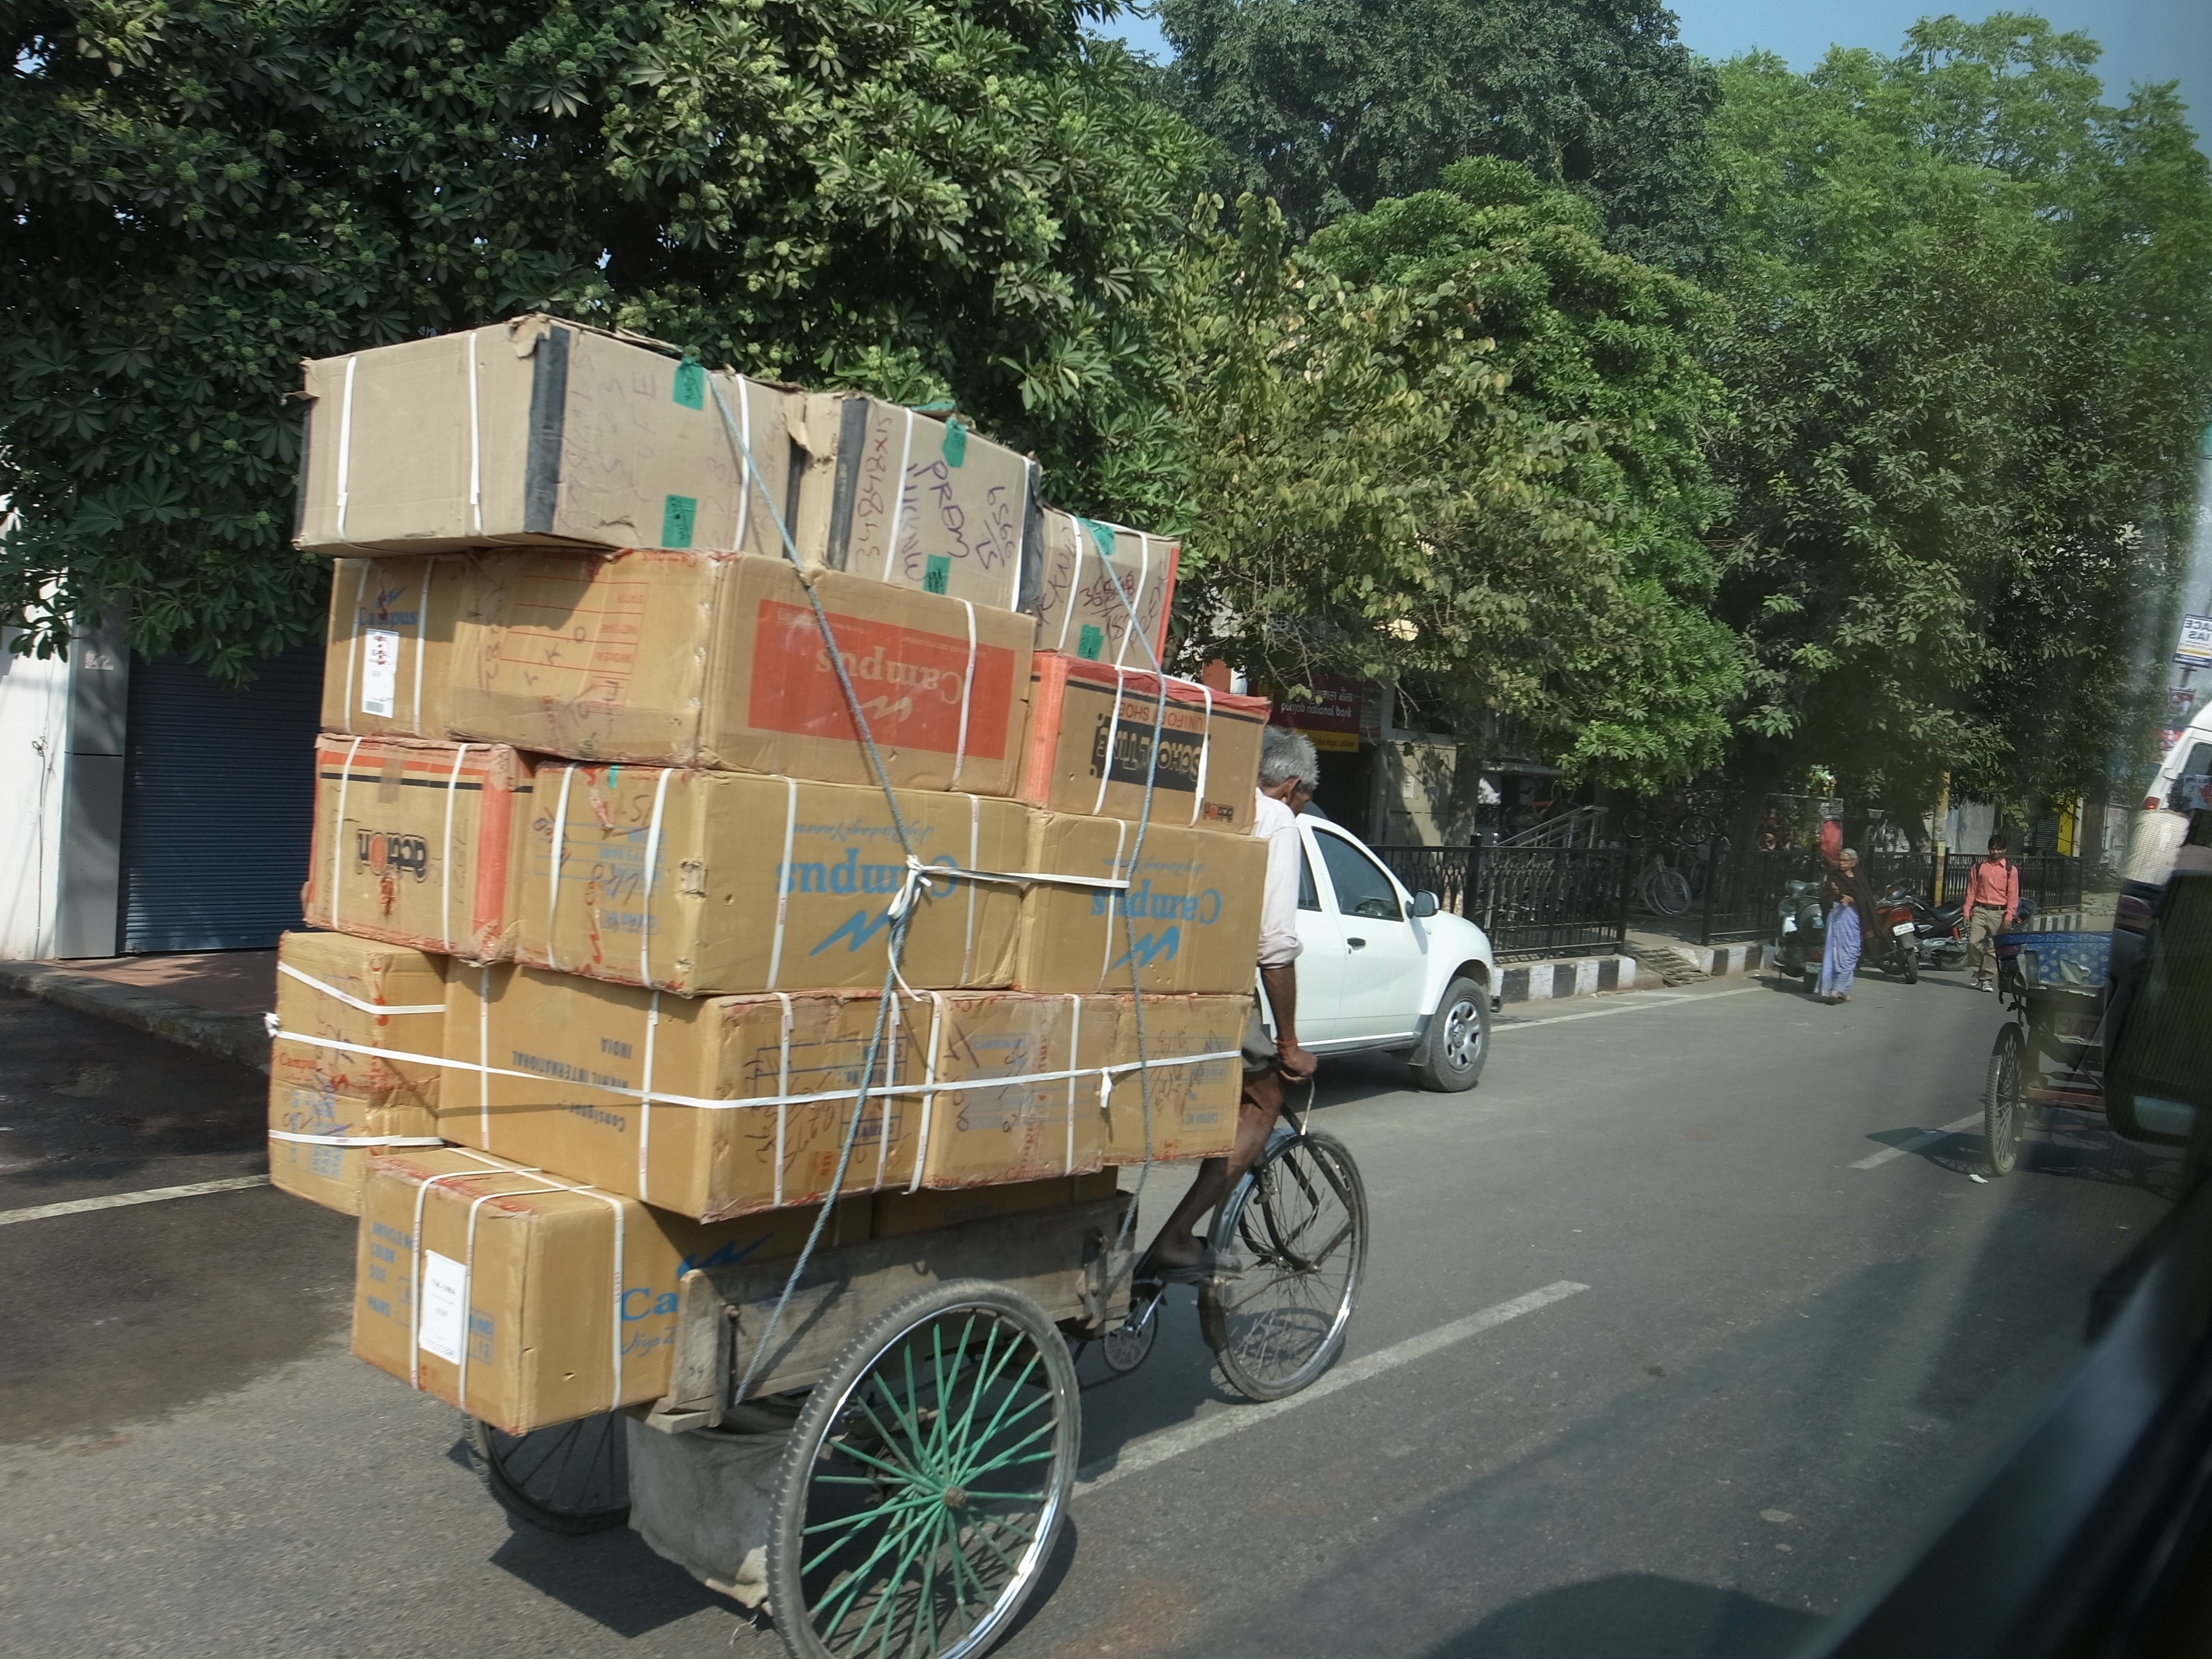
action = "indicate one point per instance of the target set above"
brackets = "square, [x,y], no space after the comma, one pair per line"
[2194,648]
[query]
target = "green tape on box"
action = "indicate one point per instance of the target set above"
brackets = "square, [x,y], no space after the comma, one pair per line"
[937,578]
[1089,643]
[677,515]
[956,442]
[691,386]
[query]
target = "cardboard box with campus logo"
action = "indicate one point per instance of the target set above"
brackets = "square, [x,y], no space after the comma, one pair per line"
[412,842]
[1193,1072]
[389,647]
[1103,591]
[1187,922]
[524,1299]
[709,1106]
[711,882]
[687,659]
[920,502]
[333,1107]
[537,431]
[749,1099]
[1092,731]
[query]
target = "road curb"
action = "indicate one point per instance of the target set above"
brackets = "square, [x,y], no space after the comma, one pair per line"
[1573,976]
[240,1037]
[1717,960]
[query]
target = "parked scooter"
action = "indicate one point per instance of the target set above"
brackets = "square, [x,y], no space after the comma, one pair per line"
[1801,932]
[1895,946]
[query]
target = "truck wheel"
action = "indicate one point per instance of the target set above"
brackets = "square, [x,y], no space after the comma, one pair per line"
[1450,1056]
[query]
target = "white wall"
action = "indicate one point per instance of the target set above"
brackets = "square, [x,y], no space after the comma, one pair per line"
[34,705]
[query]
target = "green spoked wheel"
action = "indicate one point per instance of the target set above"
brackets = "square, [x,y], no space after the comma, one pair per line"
[926,1479]
[572,1477]
[1291,1244]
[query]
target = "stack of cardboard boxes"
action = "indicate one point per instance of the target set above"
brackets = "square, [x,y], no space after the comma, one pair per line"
[605,876]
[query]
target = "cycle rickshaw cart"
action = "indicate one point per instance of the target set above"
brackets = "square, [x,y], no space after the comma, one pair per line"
[2051,1052]
[888,1463]
[881,1441]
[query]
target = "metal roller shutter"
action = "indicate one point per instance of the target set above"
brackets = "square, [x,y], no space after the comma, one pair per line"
[218,803]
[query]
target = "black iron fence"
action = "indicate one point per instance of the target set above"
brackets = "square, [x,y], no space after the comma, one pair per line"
[1571,900]
[1531,901]
[1438,870]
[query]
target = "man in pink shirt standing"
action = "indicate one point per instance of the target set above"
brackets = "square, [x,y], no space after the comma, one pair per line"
[1992,900]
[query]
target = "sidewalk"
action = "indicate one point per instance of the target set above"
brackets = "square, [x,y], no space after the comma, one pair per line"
[210,1000]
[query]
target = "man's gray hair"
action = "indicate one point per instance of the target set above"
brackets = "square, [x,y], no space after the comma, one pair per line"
[1285,754]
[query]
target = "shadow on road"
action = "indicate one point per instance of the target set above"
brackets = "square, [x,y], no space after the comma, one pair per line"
[1633,1615]
[611,1578]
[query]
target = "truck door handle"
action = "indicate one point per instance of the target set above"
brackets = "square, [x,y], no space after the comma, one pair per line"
[1357,943]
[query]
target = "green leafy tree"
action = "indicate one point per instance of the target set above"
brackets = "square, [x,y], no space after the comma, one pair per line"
[1455,444]
[923,200]
[1971,346]
[1332,105]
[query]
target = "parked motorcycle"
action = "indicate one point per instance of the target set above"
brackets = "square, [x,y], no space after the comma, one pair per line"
[1895,946]
[1941,932]
[1801,932]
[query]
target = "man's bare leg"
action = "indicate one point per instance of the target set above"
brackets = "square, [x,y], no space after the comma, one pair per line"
[1178,1244]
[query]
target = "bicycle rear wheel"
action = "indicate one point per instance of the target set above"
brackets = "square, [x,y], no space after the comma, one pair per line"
[1291,1244]
[572,1477]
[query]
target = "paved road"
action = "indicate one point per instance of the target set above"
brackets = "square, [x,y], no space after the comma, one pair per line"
[1789,1352]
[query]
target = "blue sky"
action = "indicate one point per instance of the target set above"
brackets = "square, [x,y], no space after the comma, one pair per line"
[2144,40]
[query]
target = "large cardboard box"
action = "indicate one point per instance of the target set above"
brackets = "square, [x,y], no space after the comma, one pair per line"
[723,1106]
[1092,729]
[1103,591]
[1193,1070]
[527,1300]
[359,1023]
[711,1106]
[1191,908]
[915,501]
[1045,1119]
[713,883]
[388,654]
[413,842]
[537,431]
[689,659]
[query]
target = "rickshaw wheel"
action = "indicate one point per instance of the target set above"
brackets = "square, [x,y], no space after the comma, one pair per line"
[1291,1245]
[927,1479]
[2004,1105]
[572,1479]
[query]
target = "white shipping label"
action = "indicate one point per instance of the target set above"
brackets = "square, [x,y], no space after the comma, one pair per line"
[380,671]
[445,1307]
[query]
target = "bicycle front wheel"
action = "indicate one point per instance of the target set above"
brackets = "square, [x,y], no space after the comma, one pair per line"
[1291,1244]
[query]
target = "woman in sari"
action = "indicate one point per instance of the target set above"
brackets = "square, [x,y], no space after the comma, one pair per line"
[1850,899]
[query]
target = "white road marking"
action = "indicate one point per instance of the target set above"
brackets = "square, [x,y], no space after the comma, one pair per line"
[1927,1138]
[1154,1449]
[117,1200]
[1673,999]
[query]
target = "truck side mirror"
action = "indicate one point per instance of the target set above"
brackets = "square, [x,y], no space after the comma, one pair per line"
[1426,904]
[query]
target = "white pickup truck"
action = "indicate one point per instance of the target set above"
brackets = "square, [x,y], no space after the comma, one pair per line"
[1385,969]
